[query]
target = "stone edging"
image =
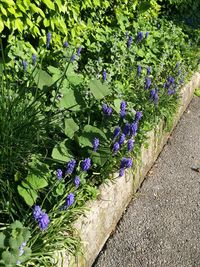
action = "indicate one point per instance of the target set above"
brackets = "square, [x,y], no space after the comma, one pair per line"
[103,215]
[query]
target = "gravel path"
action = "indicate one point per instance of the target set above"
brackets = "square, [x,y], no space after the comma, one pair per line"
[161,227]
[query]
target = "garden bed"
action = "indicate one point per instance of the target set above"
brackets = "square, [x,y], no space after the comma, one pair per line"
[103,214]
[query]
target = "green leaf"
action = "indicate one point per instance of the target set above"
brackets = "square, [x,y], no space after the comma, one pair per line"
[28,195]
[61,153]
[1,25]
[42,78]
[75,79]
[71,100]
[60,189]
[49,4]
[88,135]
[197,92]
[101,156]
[9,259]
[117,103]
[70,127]
[2,238]
[98,89]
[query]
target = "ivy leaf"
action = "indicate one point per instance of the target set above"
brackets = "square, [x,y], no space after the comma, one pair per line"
[70,127]
[98,89]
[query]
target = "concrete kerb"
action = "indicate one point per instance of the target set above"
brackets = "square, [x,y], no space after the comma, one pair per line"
[103,214]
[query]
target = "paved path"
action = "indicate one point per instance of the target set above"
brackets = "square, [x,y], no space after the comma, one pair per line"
[161,227]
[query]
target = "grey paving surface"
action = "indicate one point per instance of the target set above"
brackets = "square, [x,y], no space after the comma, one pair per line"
[161,227]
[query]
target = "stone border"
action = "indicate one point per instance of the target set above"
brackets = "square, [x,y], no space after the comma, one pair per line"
[103,215]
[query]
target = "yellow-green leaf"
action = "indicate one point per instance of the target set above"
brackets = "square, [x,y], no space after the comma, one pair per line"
[1,25]
[49,4]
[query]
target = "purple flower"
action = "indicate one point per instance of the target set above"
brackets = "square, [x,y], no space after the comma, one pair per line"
[123,105]
[116,147]
[129,42]
[86,164]
[104,75]
[95,144]
[116,131]
[126,129]
[70,166]
[177,65]
[122,139]
[34,57]
[77,181]
[154,96]
[122,113]
[66,44]
[130,145]
[79,51]
[48,39]
[43,221]
[73,57]
[140,36]
[59,174]
[133,128]
[106,110]
[171,91]
[148,71]
[171,80]
[139,69]
[41,217]
[138,116]
[126,163]
[69,200]
[148,83]
[37,212]
[121,172]
[147,34]
[25,64]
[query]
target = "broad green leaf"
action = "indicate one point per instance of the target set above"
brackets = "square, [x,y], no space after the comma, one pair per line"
[28,195]
[101,156]
[70,127]
[98,89]
[8,258]
[88,135]
[71,100]
[117,103]
[54,70]
[42,78]
[34,182]
[61,152]
[75,79]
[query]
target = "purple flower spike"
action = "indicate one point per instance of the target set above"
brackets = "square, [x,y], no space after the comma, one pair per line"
[34,57]
[140,36]
[148,83]
[154,96]
[106,110]
[66,44]
[133,128]
[122,114]
[73,57]
[126,163]
[116,147]
[69,200]
[121,172]
[123,105]
[148,71]
[59,174]
[139,69]
[147,34]
[129,42]
[48,39]
[86,164]
[104,75]
[44,221]
[95,144]
[138,116]
[79,51]
[126,129]
[122,139]
[70,166]
[37,212]
[130,145]
[77,181]
[25,64]
[116,131]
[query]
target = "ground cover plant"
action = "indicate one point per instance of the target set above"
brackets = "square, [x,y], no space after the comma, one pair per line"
[73,114]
